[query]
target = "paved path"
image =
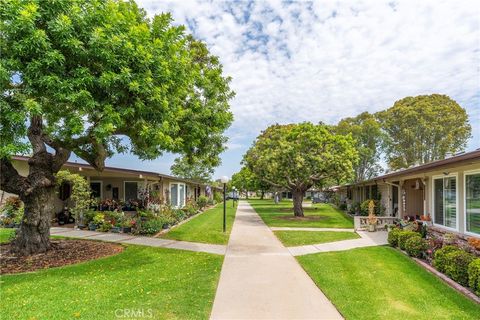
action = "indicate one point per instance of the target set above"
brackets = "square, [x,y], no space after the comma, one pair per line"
[144,241]
[310,229]
[260,279]
[368,239]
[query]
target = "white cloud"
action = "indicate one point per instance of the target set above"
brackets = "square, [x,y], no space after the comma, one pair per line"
[324,60]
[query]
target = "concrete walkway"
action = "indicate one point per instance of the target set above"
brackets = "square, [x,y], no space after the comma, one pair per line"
[144,241]
[368,239]
[260,279]
[310,229]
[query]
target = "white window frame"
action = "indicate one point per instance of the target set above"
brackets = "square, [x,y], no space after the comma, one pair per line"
[124,189]
[101,187]
[178,193]
[455,174]
[467,173]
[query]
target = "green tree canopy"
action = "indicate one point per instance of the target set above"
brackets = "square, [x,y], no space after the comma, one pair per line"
[95,78]
[367,132]
[245,180]
[198,170]
[422,129]
[297,157]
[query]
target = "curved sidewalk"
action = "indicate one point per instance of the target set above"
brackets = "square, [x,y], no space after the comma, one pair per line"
[143,241]
[260,279]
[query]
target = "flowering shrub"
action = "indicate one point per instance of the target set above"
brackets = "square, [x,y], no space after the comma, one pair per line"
[474,242]
[12,211]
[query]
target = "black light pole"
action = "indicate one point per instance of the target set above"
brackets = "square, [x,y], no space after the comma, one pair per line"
[224,180]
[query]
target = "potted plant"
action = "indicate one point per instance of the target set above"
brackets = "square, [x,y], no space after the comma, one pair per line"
[116,228]
[97,222]
[127,224]
[372,219]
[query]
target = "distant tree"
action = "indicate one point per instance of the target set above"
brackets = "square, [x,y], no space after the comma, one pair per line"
[95,78]
[197,170]
[296,157]
[367,132]
[245,180]
[422,129]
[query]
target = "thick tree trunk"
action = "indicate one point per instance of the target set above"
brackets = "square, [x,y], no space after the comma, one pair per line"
[38,198]
[262,195]
[34,234]
[297,202]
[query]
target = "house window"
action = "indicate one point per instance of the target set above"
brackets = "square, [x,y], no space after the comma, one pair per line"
[445,201]
[131,190]
[177,194]
[472,202]
[96,189]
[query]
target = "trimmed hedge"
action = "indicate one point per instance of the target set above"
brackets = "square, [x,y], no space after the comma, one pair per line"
[393,237]
[456,266]
[474,276]
[439,259]
[416,246]
[404,236]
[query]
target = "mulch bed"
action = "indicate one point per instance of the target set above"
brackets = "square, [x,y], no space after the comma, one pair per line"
[62,253]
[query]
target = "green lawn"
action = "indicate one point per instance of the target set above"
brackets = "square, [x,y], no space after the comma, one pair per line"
[5,234]
[207,227]
[319,216]
[300,238]
[382,283]
[171,284]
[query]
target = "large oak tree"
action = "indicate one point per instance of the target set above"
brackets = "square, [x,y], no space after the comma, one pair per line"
[296,157]
[95,78]
[423,128]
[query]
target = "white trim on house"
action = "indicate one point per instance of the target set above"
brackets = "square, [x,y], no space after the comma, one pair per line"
[101,186]
[467,173]
[457,212]
[180,203]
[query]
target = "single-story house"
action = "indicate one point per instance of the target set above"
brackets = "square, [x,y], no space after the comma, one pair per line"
[123,185]
[447,190]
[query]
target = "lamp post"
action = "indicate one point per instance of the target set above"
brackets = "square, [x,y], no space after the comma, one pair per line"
[224,180]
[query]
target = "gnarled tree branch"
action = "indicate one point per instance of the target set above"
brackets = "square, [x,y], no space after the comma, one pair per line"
[10,180]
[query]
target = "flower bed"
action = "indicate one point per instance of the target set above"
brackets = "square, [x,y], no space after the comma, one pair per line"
[459,260]
[142,221]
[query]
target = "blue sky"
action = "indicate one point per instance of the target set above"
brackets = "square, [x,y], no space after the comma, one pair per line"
[324,60]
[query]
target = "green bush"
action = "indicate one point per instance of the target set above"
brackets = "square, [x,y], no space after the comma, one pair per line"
[456,266]
[151,226]
[404,236]
[416,246]
[474,276]
[393,237]
[202,202]
[105,227]
[217,197]
[439,258]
